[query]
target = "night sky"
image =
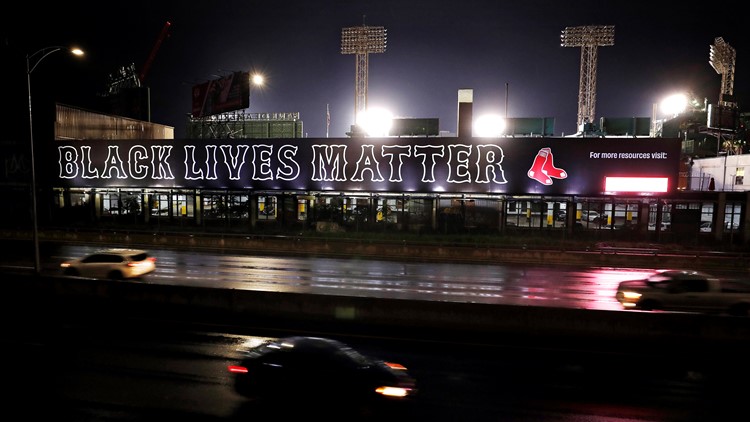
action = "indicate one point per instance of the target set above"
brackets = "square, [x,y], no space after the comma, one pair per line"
[503,50]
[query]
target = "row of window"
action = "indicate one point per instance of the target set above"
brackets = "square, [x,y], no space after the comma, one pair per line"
[593,213]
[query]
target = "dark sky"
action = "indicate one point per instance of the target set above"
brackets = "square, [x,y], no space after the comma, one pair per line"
[435,48]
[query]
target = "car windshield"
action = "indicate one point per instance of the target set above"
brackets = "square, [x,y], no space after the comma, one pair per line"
[660,280]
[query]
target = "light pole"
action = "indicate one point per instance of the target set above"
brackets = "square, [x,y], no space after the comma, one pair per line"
[36,58]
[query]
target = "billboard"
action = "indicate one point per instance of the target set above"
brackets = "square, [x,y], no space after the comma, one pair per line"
[414,127]
[530,126]
[228,93]
[626,126]
[722,117]
[516,166]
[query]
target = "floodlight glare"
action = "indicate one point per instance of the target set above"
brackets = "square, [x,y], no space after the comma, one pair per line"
[375,122]
[674,104]
[257,79]
[489,126]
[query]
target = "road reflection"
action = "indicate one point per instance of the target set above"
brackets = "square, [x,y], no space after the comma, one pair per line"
[558,286]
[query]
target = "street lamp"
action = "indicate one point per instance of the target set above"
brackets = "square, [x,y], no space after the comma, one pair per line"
[36,58]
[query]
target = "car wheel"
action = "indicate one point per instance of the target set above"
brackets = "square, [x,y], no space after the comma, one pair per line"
[115,275]
[740,309]
[649,305]
[71,272]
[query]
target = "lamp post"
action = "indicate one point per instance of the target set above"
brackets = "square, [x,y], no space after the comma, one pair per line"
[32,61]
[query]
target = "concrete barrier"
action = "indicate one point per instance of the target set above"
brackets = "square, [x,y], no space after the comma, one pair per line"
[412,318]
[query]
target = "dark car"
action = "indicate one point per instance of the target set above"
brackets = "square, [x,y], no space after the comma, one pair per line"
[319,370]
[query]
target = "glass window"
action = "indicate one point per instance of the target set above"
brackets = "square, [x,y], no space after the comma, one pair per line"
[111,203]
[159,204]
[214,206]
[182,205]
[732,216]
[302,207]
[130,203]
[388,210]
[266,207]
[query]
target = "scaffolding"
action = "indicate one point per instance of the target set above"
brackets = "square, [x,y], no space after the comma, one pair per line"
[244,125]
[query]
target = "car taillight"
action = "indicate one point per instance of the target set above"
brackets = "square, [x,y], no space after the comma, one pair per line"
[237,369]
[393,391]
[137,263]
[393,365]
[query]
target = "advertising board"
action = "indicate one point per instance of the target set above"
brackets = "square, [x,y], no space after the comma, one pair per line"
[229,93]
[546,166]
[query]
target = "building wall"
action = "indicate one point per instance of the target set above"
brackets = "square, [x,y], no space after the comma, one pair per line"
[728,173]
[73,123]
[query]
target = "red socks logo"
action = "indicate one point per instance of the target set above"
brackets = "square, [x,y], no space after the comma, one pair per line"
[543,169]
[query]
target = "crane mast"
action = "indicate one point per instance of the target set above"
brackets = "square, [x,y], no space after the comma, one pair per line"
[147,65]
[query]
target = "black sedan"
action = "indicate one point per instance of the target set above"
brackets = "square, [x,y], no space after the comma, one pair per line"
[319,370]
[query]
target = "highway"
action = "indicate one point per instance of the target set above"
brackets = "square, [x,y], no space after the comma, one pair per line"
[113,360]
[98,363]
[516,284]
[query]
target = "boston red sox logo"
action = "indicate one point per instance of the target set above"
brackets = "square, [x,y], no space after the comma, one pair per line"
[543,170]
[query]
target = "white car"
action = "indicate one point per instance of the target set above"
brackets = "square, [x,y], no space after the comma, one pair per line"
[663,227]
[115,263]
[589,215]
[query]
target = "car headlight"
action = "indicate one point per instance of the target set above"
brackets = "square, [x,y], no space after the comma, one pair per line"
[631,295]
[393,391]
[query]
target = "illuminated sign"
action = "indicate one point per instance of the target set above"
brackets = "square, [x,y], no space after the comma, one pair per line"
[547,166]
[637,184]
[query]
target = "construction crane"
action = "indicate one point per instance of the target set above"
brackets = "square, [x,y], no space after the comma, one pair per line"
[589,38]
[147,65]
[126,76]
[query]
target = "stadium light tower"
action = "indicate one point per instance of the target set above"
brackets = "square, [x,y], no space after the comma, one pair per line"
[362,41]
[722,57]
[589,38]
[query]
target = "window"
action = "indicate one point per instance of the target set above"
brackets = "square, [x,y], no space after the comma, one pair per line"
[159,203]
[302,206]
[732,214]
[239,206]
[214,206]
[694,286]
[266,207]
[739,176]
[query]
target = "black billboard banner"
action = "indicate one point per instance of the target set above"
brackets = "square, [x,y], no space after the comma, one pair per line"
[517,166]
[228,93]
